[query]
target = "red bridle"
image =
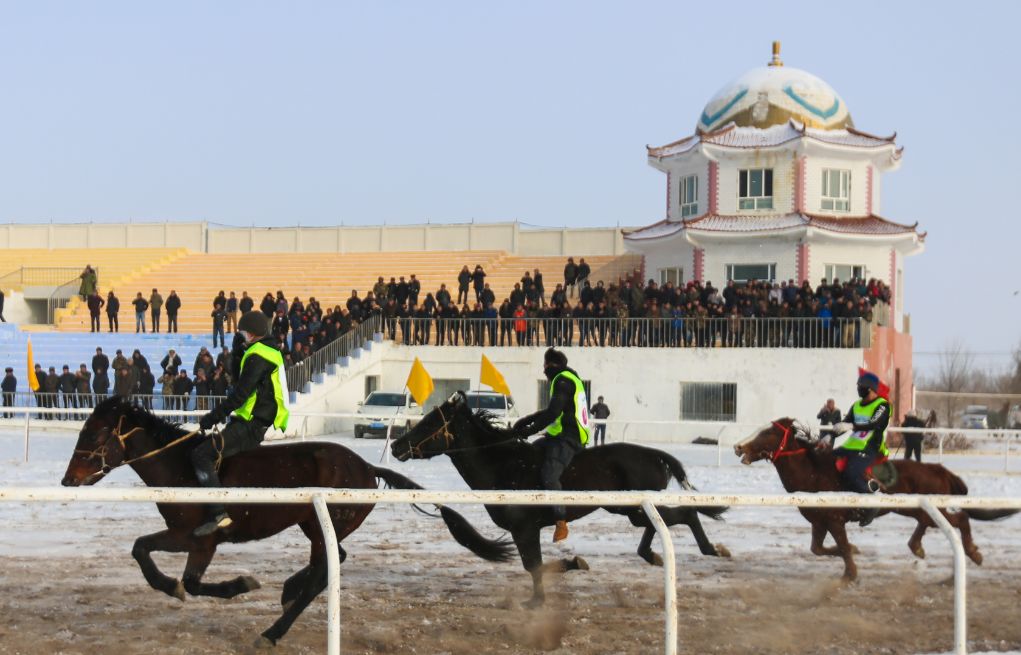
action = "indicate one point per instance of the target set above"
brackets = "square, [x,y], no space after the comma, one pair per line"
[780,452]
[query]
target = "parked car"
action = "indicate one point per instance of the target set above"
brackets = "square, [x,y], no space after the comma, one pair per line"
[376,412]
[975,417]
[1014,417]
[496,404]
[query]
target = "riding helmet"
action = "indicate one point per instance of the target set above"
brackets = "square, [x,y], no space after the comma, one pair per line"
[255,323]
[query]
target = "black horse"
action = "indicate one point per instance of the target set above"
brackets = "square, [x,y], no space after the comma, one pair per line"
[488,457]
[119,433]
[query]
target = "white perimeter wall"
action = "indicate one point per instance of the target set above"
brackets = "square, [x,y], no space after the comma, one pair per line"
[644,383]
[200,237]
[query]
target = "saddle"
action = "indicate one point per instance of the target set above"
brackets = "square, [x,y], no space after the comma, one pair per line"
[882,471]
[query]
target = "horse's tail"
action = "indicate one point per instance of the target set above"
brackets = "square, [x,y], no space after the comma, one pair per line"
[990,514]
[677,470]
[959,488]
[494,550]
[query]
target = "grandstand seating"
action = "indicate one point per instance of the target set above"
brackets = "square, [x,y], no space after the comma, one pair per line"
[329,277]
[57,349]
[116,265]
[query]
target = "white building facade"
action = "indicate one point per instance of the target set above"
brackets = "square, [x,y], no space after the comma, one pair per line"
[777,184]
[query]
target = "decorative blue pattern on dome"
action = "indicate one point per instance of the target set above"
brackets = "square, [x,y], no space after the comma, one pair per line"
[709,120]
[821,113]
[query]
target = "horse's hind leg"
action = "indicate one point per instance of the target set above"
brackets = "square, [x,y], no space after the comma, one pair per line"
[165,541]
[915,542]
[314,581]
[689,517]
[645,548]
[962,522]
[294,583]
[198,560]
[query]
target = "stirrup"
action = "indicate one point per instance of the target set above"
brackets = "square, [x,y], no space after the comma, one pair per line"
[219,522]
[560,531]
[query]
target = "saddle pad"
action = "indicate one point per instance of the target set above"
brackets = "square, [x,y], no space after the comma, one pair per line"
[885,473]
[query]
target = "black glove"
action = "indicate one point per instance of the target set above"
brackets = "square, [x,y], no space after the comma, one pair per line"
[521,428]
[208,421]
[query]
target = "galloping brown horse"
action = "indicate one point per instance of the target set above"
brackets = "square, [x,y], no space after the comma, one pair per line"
[789,446]
[119,433]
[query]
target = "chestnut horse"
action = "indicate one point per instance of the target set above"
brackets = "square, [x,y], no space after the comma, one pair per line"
[119,433]
[489,457]
[802,467]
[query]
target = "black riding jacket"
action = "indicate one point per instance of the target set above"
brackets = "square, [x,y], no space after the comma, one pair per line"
[562,402]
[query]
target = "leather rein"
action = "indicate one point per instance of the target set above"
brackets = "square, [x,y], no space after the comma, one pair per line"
[448,438]
[102,451]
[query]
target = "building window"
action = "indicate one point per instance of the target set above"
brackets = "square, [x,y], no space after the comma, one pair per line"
[675,275]
[689,196]
[743,273]
[709,401]
[836,190]
[845,272]
[756,189]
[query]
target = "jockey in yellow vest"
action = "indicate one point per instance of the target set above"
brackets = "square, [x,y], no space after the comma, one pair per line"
[866,421]
[566,421]
[257,401]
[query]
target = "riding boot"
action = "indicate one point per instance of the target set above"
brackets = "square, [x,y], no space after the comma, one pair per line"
[560,531]
[216,514]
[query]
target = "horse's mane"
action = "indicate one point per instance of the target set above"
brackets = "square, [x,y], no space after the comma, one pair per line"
[162,430]
[490,426]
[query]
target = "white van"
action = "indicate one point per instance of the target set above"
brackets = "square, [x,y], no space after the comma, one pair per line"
[383,407]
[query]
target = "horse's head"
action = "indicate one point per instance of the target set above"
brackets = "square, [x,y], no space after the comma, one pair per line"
[780,436]
[434,434]
[100,447]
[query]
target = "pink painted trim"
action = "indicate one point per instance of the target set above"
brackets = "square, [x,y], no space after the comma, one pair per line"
[803,256]
[669,192]
[714,186]
[699,264]
[868,189]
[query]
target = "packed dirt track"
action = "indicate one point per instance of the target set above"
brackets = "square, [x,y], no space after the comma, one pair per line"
[68,584]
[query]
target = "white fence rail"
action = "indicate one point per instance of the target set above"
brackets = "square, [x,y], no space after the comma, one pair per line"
[724,442]
[322,497]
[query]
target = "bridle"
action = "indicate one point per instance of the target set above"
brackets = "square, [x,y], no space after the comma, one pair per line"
[448,437]
[780,452]
[443,431]
[102,451]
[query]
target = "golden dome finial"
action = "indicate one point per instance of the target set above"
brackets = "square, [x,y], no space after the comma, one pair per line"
[776,61]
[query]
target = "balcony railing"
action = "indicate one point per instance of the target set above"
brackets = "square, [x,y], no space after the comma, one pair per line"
[300,374]
[633,332]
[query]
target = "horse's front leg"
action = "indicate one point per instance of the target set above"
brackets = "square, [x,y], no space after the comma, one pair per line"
[165,541]
[527,541]
[837,528]
[199,558]
[915,542]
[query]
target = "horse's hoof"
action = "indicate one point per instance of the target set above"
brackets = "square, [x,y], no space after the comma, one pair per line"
[533,603]
[178,592]
[976,556]
[919,552]
[264,643]
[249,583]
[855,551]
[580,563]
[655,559]
[722,551]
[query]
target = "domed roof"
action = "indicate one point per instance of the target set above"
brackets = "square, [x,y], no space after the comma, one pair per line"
[773,94]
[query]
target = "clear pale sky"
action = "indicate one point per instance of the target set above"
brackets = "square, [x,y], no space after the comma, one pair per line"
[406,112]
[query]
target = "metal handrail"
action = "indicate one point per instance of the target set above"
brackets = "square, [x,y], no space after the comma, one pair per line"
[302,373]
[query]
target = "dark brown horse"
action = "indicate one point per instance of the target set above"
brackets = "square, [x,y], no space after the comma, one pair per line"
[488,457]
[802,467]
[120,433]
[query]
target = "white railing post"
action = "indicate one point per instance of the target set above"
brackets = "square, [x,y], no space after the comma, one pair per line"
[669,576]
[960,571]
[333,572]
[28,417]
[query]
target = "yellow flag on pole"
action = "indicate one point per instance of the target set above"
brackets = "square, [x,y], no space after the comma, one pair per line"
[33,381]
[492,377]
[419,383]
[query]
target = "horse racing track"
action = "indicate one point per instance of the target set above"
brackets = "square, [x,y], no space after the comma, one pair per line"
[68,583]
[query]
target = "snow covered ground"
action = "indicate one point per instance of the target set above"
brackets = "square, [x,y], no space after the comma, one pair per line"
[68,583]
